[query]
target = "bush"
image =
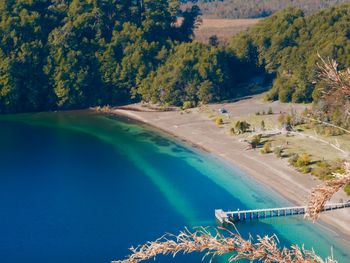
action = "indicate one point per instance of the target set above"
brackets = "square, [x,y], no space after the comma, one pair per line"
[187,105]
[257,113]
[347,189]
[266,149]
[242,126]
[256,140]
[278,151]
[219,121]
[232,131]
[303,160]
[305,169]
[293,159]
[270,112]
[285,119]
[262,125]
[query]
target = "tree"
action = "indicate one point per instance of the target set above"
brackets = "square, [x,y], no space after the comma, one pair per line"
[242,126]
[213,41]
[24,29]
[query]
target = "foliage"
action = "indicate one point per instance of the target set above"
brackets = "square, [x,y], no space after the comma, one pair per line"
[303,160]
[73,53]
[285,119]
[219,121]
[194,72]
[266,148]
[347,189]
[256,141]
[287,43]
[242,126]
[262,125]
[187,105]
[323,170]
[270,111]
[278,151]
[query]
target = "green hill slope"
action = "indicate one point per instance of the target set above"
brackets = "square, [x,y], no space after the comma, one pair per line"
[288,43]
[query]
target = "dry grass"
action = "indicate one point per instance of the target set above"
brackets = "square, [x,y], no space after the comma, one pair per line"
[224,29]
[323,193]
[214,244]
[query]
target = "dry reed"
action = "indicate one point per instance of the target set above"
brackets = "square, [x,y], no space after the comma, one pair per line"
[266,248]
[338,81]
[323,193]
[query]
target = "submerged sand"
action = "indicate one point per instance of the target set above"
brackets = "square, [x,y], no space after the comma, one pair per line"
[197,129]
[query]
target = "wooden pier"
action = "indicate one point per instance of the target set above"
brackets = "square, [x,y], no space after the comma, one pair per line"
[244,215]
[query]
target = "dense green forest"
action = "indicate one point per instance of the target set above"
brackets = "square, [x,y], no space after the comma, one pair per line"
[64,54]
[256,8]
[288,43]
[61,54]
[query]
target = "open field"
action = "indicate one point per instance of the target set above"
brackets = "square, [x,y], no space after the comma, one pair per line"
[224,29]
[306,141]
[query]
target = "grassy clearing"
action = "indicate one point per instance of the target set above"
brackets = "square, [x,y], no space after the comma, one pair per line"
[224,29]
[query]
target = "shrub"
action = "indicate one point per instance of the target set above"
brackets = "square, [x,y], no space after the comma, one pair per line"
[262,125]
[242,126]
[285,119]
[305,169]
[270,112]
[347,189]
[278,151]
[293,159]
[266,149]
[256,140]
[257,113]
[219,121]
[187,105]
[303,160]
[321,172]
[232,131]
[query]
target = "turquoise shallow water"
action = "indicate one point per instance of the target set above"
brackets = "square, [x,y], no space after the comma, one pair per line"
[83,187]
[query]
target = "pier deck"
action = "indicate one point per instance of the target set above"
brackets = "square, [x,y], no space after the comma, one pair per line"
[243,215]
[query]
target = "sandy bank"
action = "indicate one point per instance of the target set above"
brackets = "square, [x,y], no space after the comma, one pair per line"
[197,129]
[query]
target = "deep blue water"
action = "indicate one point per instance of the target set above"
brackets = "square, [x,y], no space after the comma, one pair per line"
[84,187]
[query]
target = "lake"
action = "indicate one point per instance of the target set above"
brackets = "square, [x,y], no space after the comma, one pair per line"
[84,187]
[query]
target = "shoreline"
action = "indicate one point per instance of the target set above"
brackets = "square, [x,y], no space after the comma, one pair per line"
[268,170]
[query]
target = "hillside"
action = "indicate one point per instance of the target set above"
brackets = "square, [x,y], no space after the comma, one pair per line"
[234,9]
[287,45]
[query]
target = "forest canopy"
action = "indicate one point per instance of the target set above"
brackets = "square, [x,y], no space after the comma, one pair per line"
[75,53]
[288,44]
[67,54]
[64,54]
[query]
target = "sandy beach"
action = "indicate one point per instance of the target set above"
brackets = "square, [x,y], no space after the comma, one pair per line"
[196,128]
